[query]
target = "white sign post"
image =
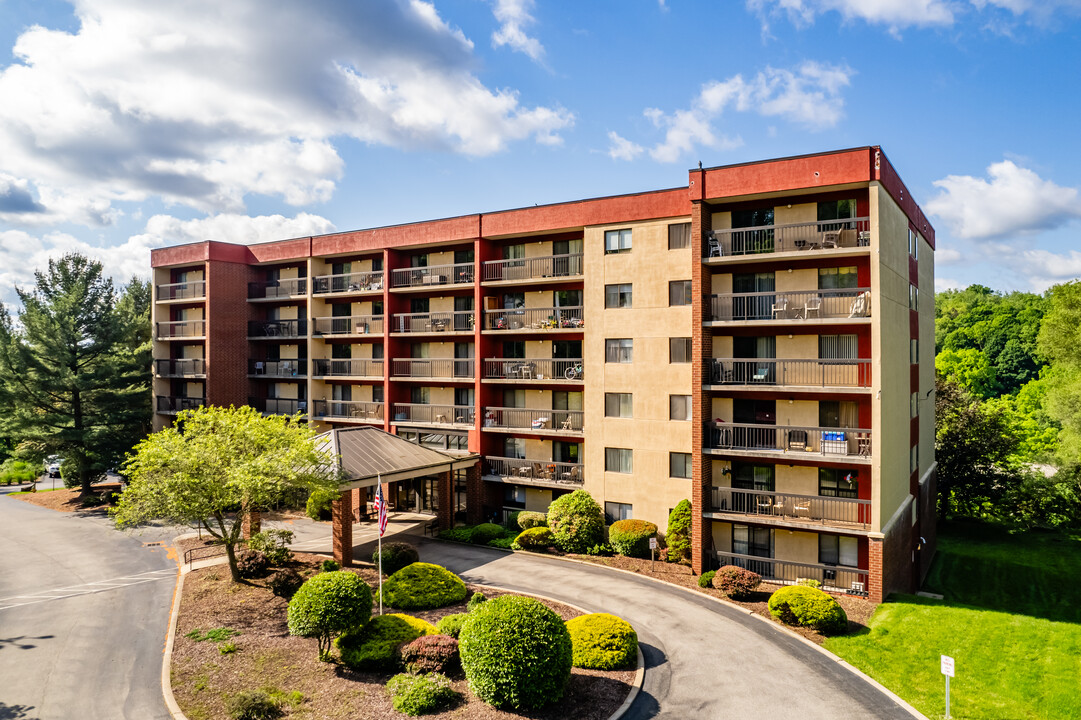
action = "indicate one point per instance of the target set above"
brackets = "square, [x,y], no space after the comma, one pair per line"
[652,552]
[947,670]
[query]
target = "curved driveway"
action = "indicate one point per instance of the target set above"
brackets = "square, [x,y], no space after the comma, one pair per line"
[703,659]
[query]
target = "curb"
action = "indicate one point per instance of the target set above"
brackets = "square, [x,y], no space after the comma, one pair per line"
[167,662]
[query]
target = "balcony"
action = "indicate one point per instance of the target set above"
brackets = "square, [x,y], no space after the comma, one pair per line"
[834,578]
[348,325]
[805,305]
[172,405]
[277,289]
[277,368]
[549,267]
[358,368]
[551,319]
[433,276]
[180,368]
[424,414]
[792,510]
[277,329]
[538,421]
[278,406]
[348,283]
[194,290]
[181,330]
[545,473]
[434,368]
[546,369]
[828,235]
[767,373]
[355,410]
[772,440]
[457,321]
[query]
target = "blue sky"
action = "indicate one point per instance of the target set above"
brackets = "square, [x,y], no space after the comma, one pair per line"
[127,125]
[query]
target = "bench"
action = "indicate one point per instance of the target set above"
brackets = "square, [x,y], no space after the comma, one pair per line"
[432,527]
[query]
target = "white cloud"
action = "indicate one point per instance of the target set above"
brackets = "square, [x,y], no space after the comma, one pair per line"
[944,256]
[1014,200]
[810,95]
[514,16]
[892,13]
[202,103]
[1044,268]
[242,229]
[621,148]
[946,284]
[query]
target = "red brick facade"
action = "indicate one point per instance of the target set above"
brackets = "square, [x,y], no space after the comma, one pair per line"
[342,528]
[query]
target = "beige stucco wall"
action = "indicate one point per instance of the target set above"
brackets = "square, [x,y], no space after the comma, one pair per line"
[794,479]
[796,347]
[537,499]
[796,213]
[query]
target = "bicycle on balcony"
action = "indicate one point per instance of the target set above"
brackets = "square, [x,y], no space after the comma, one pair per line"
[574,372]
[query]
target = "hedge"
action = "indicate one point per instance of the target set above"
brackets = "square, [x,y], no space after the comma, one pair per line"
[396,555]
[516,653]
[631,537]
[705,580]
[537,539]
[736,582]
[528,519]
[800,605]
[329,604]
[423,586]
[420,694]
[601,641]
[577,521]
[374,646]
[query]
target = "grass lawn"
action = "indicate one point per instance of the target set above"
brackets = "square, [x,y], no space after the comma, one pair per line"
[29,492]
[1011,619]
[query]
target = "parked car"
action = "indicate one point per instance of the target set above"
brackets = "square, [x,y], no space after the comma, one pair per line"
[52,465]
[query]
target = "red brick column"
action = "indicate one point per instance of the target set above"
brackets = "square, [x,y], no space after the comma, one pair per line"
[474,494]
[875,578]
[701,406]
[445,511]
[358,504]
[342,531]
[250,524]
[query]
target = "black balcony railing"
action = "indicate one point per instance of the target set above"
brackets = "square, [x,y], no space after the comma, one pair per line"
[193,290]
[525,419]
[787,306]
[553,318]
[352,325]
[181,329]
[438,368]
[789,439]
[277,328]
[358,410]
[348,283]
[836,578]
[533,369]
[823,235]
[278,406]
[278,368]
[173,405]
[288,287]
[358,367]
[765,504]
[180,367]
[549,266]
[789,373]
[459,274]
[537,470]
[434,414]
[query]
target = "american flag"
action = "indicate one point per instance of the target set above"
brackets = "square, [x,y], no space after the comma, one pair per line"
[380,508]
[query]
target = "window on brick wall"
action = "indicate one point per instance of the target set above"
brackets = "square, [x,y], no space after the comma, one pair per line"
[618,405]
[914,459]
[617,241]
[618,460]
[679,236]
[617,296]
[913,244]
[838,550]
[618,350]
[679,407]
[913,297]
[679,350]
[914,351]
[614,511]
[679,292]
[914,404]
[679,465]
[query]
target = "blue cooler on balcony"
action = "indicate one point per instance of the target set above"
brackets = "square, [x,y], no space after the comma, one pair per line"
[834,443]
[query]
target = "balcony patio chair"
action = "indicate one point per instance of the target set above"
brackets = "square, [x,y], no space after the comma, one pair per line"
[779,309]
[831,238]
[260,369]
[525,371]
[764,505]
[571,476]
[538,470]
[863,238]
[801,506]
[797,439]
[848,237]
[814,305]
[714,244]
[861,305]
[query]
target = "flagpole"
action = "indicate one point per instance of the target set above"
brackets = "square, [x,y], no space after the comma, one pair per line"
[379,527]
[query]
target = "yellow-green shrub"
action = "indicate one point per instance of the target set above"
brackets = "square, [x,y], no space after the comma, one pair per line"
[423,586]
[373,646]
[601,641]
[799,605]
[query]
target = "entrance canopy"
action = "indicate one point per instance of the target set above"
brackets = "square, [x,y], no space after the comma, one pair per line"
[366,455]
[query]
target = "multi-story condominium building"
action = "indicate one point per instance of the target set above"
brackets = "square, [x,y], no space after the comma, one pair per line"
[759,341]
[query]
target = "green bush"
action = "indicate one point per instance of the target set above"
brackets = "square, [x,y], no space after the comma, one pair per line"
[461,534]
[423,586]
[420,694]
[251,563]
[451,625]
[577,521]
[285,582]
[485,532]
[253,705]
[318,505]
[800,605]
[602,642]
[16,472]
[503,543]
[528,519]
[274,544]
[329,604]
[631,537]
[511,522]
[516,653]
[705,580]
[736,582]
[537,539]
[396,555]
[329,566]
[809,582]
[474,601]
[678,537]
[430,653]
[601,550]
[373,647]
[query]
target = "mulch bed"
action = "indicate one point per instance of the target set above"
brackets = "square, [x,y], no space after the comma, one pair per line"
[67,500]
[267,656]
[858,609]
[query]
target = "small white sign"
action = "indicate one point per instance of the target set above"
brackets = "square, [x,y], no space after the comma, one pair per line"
[653,543]
[947,665]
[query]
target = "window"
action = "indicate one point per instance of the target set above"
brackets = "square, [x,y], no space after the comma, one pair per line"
[514,496]
[838,347]
[679,350]
[514,448]
[913,297]
[914,459]
[617,241]
[617,296]
[679,292]
[679,407]
[914,351]
[618,460]
[679,236]
[838,550]
[746,476]
[836,278]
[420,395]
[838,482]
[914,404]
[618,350]
[838,414]
[614,511]
[617,405]
[752,218]
[913,244]
[679,465]
[756,541]
[837,210]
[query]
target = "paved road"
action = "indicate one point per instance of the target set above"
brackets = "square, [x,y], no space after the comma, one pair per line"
[84,616]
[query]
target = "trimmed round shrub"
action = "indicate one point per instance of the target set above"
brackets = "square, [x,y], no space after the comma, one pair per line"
[800,605]
[396,555]
[329,566]
[329,604]
[285,582]
[537,539]
[430,653]
[474,601]
[251,563]
[577,521]
[736,582]
[318,505]
[423,586]
[253,705]
[374,646]
[705,580]
[486,532]
[420,694]
[631,537]
[678,537]
[451,624]
[516,653]
[528,519]
[601,641]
